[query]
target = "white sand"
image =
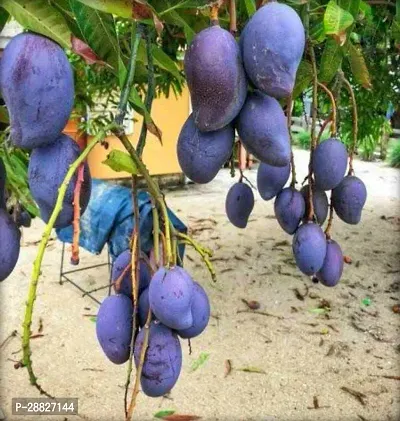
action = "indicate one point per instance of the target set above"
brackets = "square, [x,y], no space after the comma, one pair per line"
[252,264]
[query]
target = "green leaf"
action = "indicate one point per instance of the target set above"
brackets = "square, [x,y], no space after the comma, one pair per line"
[204,356]
[358,66]
[317,33]
[98,31]
[40,17]
[336,19]
[164,61]
[4,118]
[4,15]
[121,8]
[331,60]
[366,11]
[120,161]
[250,7]
[164,413]
[352,6]
[93,319]
[303,78]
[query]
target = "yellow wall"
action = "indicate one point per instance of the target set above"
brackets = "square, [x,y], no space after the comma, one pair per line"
[169,115]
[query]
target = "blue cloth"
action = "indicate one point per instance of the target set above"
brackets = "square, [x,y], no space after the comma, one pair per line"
[109,219]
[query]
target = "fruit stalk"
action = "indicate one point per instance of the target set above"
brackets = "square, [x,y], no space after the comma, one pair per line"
[330,220]
[355,123]
[232,14]
[314,109]
[156,236]
[214,15]
[77,215]
[135,391]
[334,110]
[26,358]
[289,109]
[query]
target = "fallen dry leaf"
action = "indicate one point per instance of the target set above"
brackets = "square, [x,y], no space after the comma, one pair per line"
[347,259]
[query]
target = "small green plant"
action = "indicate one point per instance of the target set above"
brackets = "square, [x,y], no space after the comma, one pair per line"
[303,139]
[394,156]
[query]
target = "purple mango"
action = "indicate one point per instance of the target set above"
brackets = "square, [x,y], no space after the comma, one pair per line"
[289,209]
[202,154]
[262,128]
[114,327]
[47,168]
[163,361]
[215,77]
[10,237]
[271,180]
[119,266]
[37,83]
[349,198]
[272,45]
[320,202]
[170,296]
[331,271]
[309,248]
[239,204]
[200,312]
[329,163]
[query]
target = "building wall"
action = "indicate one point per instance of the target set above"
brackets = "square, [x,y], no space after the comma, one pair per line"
[169,114]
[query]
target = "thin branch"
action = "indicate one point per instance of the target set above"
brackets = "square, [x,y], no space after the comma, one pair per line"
[214,15]
[330,220]
[139,370]
[77,215]
[30,301]
[310,215]
[289,109]
[151,88]
[123,103]
[334,110]
[355,123]
[323,127]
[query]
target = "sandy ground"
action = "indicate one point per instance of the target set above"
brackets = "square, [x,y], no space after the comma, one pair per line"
[300,352]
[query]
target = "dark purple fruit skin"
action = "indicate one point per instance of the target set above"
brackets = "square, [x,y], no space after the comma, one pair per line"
[24,219]
[170,296]
[202,154]
[47,168]
[163,361]
[309,248]
[329,164]
[331,271]
[349,198]
[272,45]
[143,307]
[215,77]
[9,244]
[114,327]
[37,83]
[200,311]
[263,130]
[119,265]
[239,204]
[289,209]
[271,180]
[320,202]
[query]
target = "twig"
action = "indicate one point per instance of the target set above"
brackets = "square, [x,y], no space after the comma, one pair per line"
[323,127]
[139,370]
[27,360]
[289,109]
[123,103]
[355,123]
[334,110]
[330,220]
[13,334]
[358,395]
[150,89]
[261,313]
[310,215]
[77,215]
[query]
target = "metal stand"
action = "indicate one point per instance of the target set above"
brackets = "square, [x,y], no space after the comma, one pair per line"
[64,277]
